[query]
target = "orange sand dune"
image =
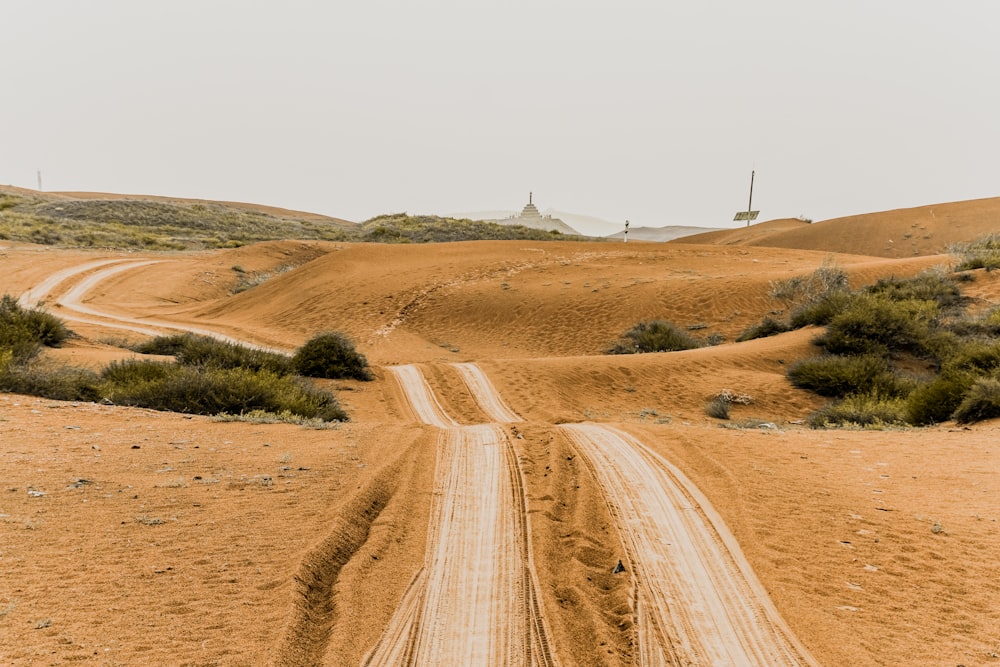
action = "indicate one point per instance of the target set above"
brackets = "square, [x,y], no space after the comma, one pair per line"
[134,537]
[906,232]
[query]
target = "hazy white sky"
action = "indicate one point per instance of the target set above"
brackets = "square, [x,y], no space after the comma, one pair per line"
[653,111]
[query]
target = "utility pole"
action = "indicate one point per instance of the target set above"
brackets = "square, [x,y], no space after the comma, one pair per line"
[39,180]
[749,214]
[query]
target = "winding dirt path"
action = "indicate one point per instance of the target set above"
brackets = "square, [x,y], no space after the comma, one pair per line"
[74,308]
[486,394]
[474,600]
[697,599]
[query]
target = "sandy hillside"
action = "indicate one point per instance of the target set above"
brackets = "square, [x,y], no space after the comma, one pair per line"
[134,537]
[906,232]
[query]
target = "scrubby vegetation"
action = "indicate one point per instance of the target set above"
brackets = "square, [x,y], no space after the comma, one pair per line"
[207,376]
[874,333]
[718,406]
[213,390]
[982,253]
[767,327]
[24,331]
[403,228]
[203,351]
[330,355]
[838,376]
[178,225]
[861,411]
[654,336]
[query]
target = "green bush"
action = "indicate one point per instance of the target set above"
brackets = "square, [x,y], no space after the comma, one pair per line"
[977,356]
[874,325]
[169,346]
[928,286]
[24,331]
[821,311]
[767,327]
[936,400]
[654,336]
[191,350]
[210,391]
[982,253]
[839,376]
[861,410]
[330,355]
[56,382]
[982,401]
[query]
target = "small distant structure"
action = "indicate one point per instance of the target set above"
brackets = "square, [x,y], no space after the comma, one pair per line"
[748,214]
[626,232]
[531,218]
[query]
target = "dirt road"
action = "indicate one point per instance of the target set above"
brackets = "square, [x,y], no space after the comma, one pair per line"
[697,600]
[74,308]
[474,600]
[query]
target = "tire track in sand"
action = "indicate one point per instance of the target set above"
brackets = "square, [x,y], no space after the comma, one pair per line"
[474,600]
[697,599]
[72,301]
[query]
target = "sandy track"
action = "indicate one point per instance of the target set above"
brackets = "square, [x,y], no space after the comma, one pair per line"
[418,393]
[36,294]
[72,301]
[697,600]
[474,600]
[486,394]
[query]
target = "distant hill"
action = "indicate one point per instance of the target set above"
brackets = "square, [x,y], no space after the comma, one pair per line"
[659,234]
[149,222]
[905,232]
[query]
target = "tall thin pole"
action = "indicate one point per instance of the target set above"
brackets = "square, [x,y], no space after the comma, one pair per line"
[750,203]
[39,180]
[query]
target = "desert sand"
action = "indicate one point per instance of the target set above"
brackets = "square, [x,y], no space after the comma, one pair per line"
[130,536]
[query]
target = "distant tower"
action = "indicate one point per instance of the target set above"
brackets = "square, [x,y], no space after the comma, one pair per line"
[529,209]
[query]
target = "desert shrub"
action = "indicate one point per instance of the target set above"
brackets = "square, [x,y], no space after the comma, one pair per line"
[981,401]
[654,336]
[822,310]
[928,286]
[134,372]
[767,327]
[935,401]
[330,355]
[826,279]
[164,345]
[209,391]
[977,356]
[839,376]
[718,408]
[874,325]
[861,410]
[56,382]
[982,253]
[985,325]
[191,350]
[213,353]
[991,321]
[24,331]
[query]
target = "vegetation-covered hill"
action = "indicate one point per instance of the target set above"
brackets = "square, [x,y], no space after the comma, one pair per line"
[158,223]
